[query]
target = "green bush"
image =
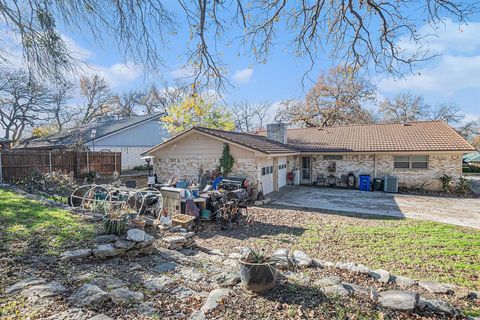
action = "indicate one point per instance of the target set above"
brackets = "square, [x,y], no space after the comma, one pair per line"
[143,167]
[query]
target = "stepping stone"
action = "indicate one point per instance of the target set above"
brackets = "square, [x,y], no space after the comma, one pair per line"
[107,250]
[301,259]
[160,284]
[40,291]
[125,297]
[107,238]
[380,275]
[436,305]
[435,287]
[399,300]
[88,295]
[75,254]
[24,283]
[359,291]
[174,242]
[165,267]
[403,281]
[215,297]
[147,309]
[107,283]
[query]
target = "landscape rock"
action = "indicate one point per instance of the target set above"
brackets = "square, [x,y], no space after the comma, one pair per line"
[125,297]
[147,309]
[146,250]
[301,259]
[282,257]
[88,295]
[107,250]
[358,291]
[70,314]
[474,295]
[435,287]
[230,281]
[399,300]
[75,254]
[41,291]
[215,297]
[181,293]
[353,267]
[327,281]
[24,283]
[174,242]
[124,244]
[436,305]
[160,284]
[132,253]
[198,315]
[380,275]
[100,317]
[107,238]
[147,240]
[338,290]
[403,281]
[136,235]
[107,283]
[165,267]
[235,255]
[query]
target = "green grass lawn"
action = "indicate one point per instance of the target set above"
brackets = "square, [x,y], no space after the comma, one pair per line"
[29,227]
[415,248]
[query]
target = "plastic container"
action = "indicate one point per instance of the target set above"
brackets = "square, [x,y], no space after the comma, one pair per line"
[378,184]
[258,277]
[364,183]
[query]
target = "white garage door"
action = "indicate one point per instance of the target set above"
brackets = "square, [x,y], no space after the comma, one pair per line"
[267,176]
[282,172]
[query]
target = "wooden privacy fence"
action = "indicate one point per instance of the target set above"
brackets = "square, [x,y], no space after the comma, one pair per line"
[17,164]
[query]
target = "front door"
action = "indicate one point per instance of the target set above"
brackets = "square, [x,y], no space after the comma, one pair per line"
[306,170]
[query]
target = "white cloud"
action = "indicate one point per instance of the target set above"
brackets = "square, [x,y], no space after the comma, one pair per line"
[183,72]
[448,76]
[243,76]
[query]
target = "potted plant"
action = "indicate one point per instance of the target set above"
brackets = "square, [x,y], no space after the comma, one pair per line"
[257,271]
[115,222]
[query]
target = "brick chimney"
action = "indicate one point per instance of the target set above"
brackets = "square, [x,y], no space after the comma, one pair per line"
[277,132]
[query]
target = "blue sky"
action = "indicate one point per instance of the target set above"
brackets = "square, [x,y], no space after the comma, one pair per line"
[454,76]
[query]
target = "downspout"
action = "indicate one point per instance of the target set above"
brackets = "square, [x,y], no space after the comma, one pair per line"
[374,165]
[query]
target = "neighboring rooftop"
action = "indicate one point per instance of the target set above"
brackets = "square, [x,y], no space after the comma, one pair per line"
[68,137]
[381,137]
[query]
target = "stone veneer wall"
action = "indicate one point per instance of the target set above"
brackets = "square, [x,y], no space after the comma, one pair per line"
[166,168]
[438,165]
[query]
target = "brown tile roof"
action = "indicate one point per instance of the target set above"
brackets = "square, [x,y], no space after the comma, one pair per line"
[252,141]
[388,137]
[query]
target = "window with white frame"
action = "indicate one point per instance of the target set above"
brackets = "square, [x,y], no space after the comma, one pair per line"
[410,162]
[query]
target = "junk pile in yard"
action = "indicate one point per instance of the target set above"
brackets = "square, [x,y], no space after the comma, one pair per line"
[174,209]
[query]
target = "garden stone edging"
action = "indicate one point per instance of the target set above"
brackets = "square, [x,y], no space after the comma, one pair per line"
[393,299]
[135,242]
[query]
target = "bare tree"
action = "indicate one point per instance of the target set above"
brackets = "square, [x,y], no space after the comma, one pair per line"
[155,100]
[338,97]
[403,107]
[62,111]
[23,103]
[449,113]
[125,105]
[96,92]
[358,33]
[250,116]
[469,130]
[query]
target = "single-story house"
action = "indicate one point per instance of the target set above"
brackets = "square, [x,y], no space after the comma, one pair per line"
[418,153]
[131,137]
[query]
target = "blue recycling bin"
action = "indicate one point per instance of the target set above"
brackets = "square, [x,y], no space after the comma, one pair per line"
[364,183]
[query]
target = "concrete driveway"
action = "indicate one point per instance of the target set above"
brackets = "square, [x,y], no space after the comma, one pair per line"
[457,211]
